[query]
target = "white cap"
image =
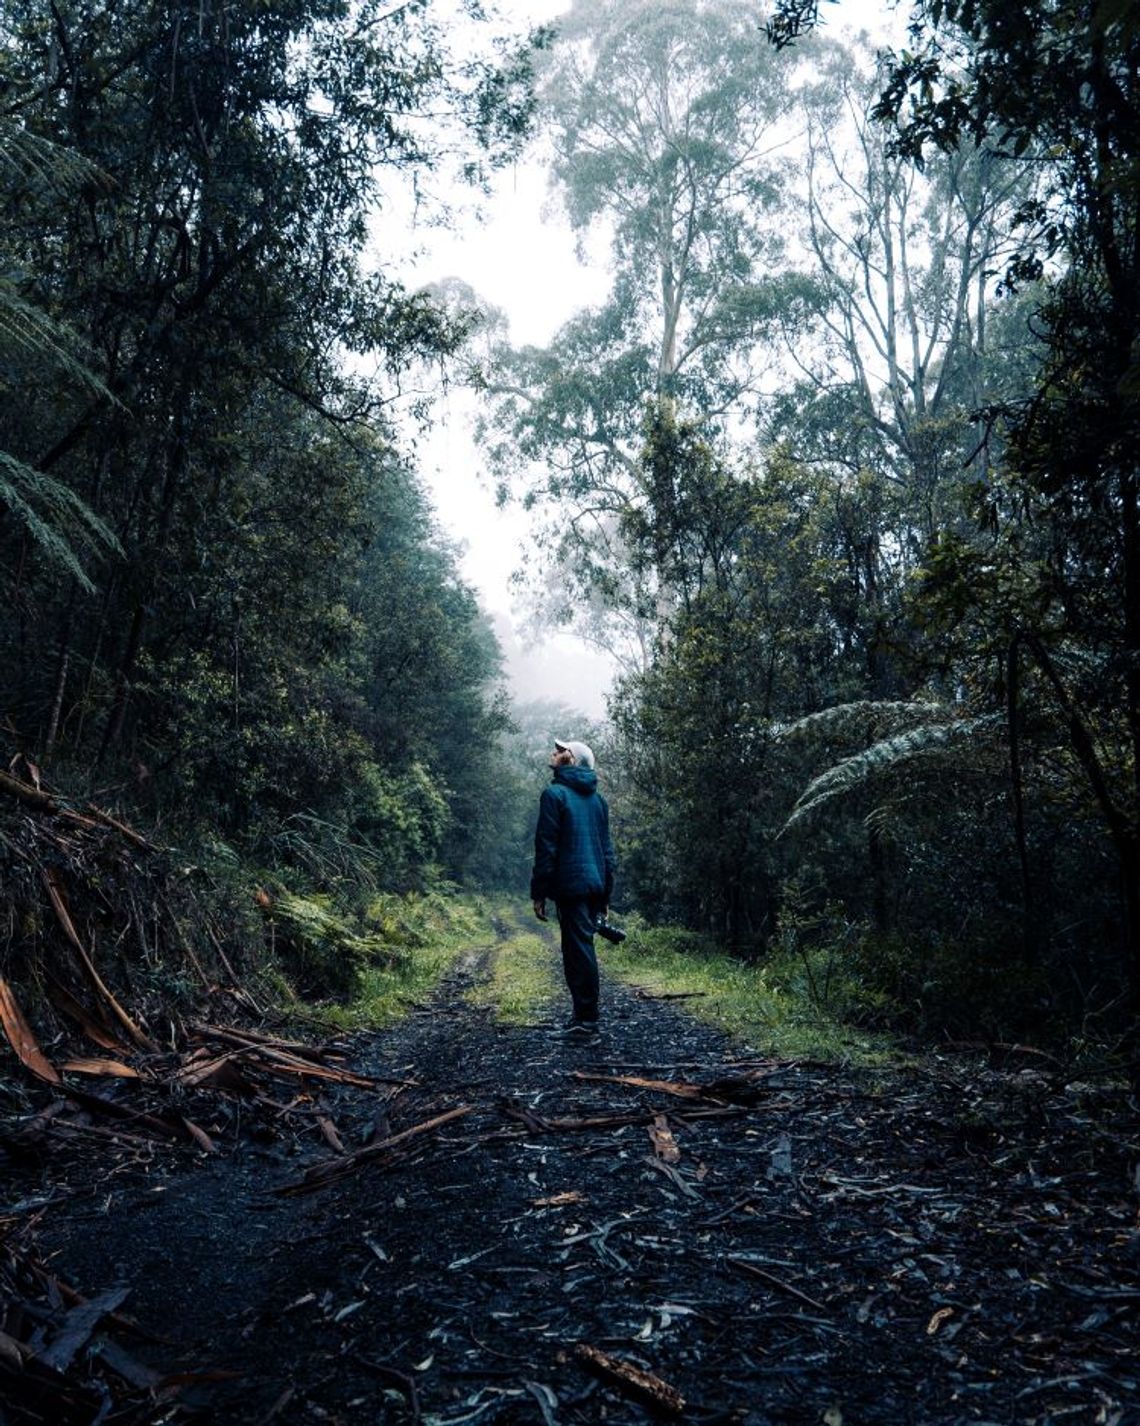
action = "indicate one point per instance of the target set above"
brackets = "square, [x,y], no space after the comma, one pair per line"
[582,755]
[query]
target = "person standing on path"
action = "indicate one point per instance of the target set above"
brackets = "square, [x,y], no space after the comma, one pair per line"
[574,864]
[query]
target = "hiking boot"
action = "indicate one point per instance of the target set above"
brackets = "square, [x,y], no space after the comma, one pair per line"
[578,1030]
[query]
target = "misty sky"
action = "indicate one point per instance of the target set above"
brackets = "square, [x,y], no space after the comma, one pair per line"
[521,258]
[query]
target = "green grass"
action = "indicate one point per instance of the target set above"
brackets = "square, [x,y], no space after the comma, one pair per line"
[525,975]
[423,937]
[767,1007]
[773,1008]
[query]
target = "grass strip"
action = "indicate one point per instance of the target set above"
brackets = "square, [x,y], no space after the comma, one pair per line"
[525,975]
[427,937]
[738,997]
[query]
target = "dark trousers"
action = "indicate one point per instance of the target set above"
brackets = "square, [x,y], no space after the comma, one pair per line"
[579,963]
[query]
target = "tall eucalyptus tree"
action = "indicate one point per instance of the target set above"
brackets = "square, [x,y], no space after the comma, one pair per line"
[219,274]
[1050,578]
[906,260]
[668,124]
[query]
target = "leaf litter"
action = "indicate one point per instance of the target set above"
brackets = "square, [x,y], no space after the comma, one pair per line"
[456,1221]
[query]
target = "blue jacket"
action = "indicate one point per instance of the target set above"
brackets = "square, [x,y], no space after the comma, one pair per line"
[573,853]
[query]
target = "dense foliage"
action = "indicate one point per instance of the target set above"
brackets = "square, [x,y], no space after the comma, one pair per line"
[887,593]
[844,468]
[224,598]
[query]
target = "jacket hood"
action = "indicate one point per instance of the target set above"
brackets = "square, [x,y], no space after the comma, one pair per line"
[581,779]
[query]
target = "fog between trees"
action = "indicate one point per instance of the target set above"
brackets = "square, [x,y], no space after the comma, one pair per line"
[844,467]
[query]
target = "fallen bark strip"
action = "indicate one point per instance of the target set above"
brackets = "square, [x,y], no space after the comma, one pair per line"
[742,1088]
[293,1057]
[641,1385]
[332,1169]
[96,1031]
[46,802]
[673,1174]
[55,893]
[67,1128]
[202,1072]
[123,1112]
[681,1088]
[774,1282]
[282,1062]
[77,1328]
[115,1069]
[129,1368]
[120,1321]
[121,827]
[230,1035]
[22,1039]
[538,1122]
[221,1069]
[199,1135]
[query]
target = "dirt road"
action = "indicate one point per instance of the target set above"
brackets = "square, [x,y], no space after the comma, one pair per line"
[742,1241]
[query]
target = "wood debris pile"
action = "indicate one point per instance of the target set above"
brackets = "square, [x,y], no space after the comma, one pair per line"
[103,927]
[195,1094]
[62,1355]
[698,1238]
[535,1230]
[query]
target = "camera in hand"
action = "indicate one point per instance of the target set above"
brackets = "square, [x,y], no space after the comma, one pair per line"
[609,933]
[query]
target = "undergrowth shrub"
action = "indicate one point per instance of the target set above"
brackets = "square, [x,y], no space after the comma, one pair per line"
[933,988]
[824,980]
[326,946]
[654,941]
[320,949]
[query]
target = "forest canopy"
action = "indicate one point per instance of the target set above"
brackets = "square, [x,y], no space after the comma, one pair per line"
[845,470]
[227,603]
[842,469]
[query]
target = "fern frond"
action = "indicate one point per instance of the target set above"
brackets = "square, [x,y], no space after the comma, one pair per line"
[26,328]
[884,818]
[54,515]
[887,756]
[330,852]
[32,159]
[852,719]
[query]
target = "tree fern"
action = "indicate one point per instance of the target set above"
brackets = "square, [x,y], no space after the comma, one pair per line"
[53,514]
[27,329]
[852,719]
[927,743]
[60,522]
[34,161]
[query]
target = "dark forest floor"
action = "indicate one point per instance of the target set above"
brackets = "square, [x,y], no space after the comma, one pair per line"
[776,1243]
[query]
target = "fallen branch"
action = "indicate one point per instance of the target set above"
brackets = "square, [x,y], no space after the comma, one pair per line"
[26,793]
[22,1039]
[328,1172]
[641,1385]
[55,893]
[680,1088]
[643,994]
[775,1282]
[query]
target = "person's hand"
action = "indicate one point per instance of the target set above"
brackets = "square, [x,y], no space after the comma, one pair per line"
[540,910]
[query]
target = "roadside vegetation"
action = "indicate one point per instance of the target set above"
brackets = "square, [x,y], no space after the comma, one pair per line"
[842,468]
[786,1007]
[400,948]
[783,1007]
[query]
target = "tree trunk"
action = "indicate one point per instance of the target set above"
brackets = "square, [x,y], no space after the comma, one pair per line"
[1017,789]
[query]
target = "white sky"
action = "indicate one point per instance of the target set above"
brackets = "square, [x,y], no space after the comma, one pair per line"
[521,258]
